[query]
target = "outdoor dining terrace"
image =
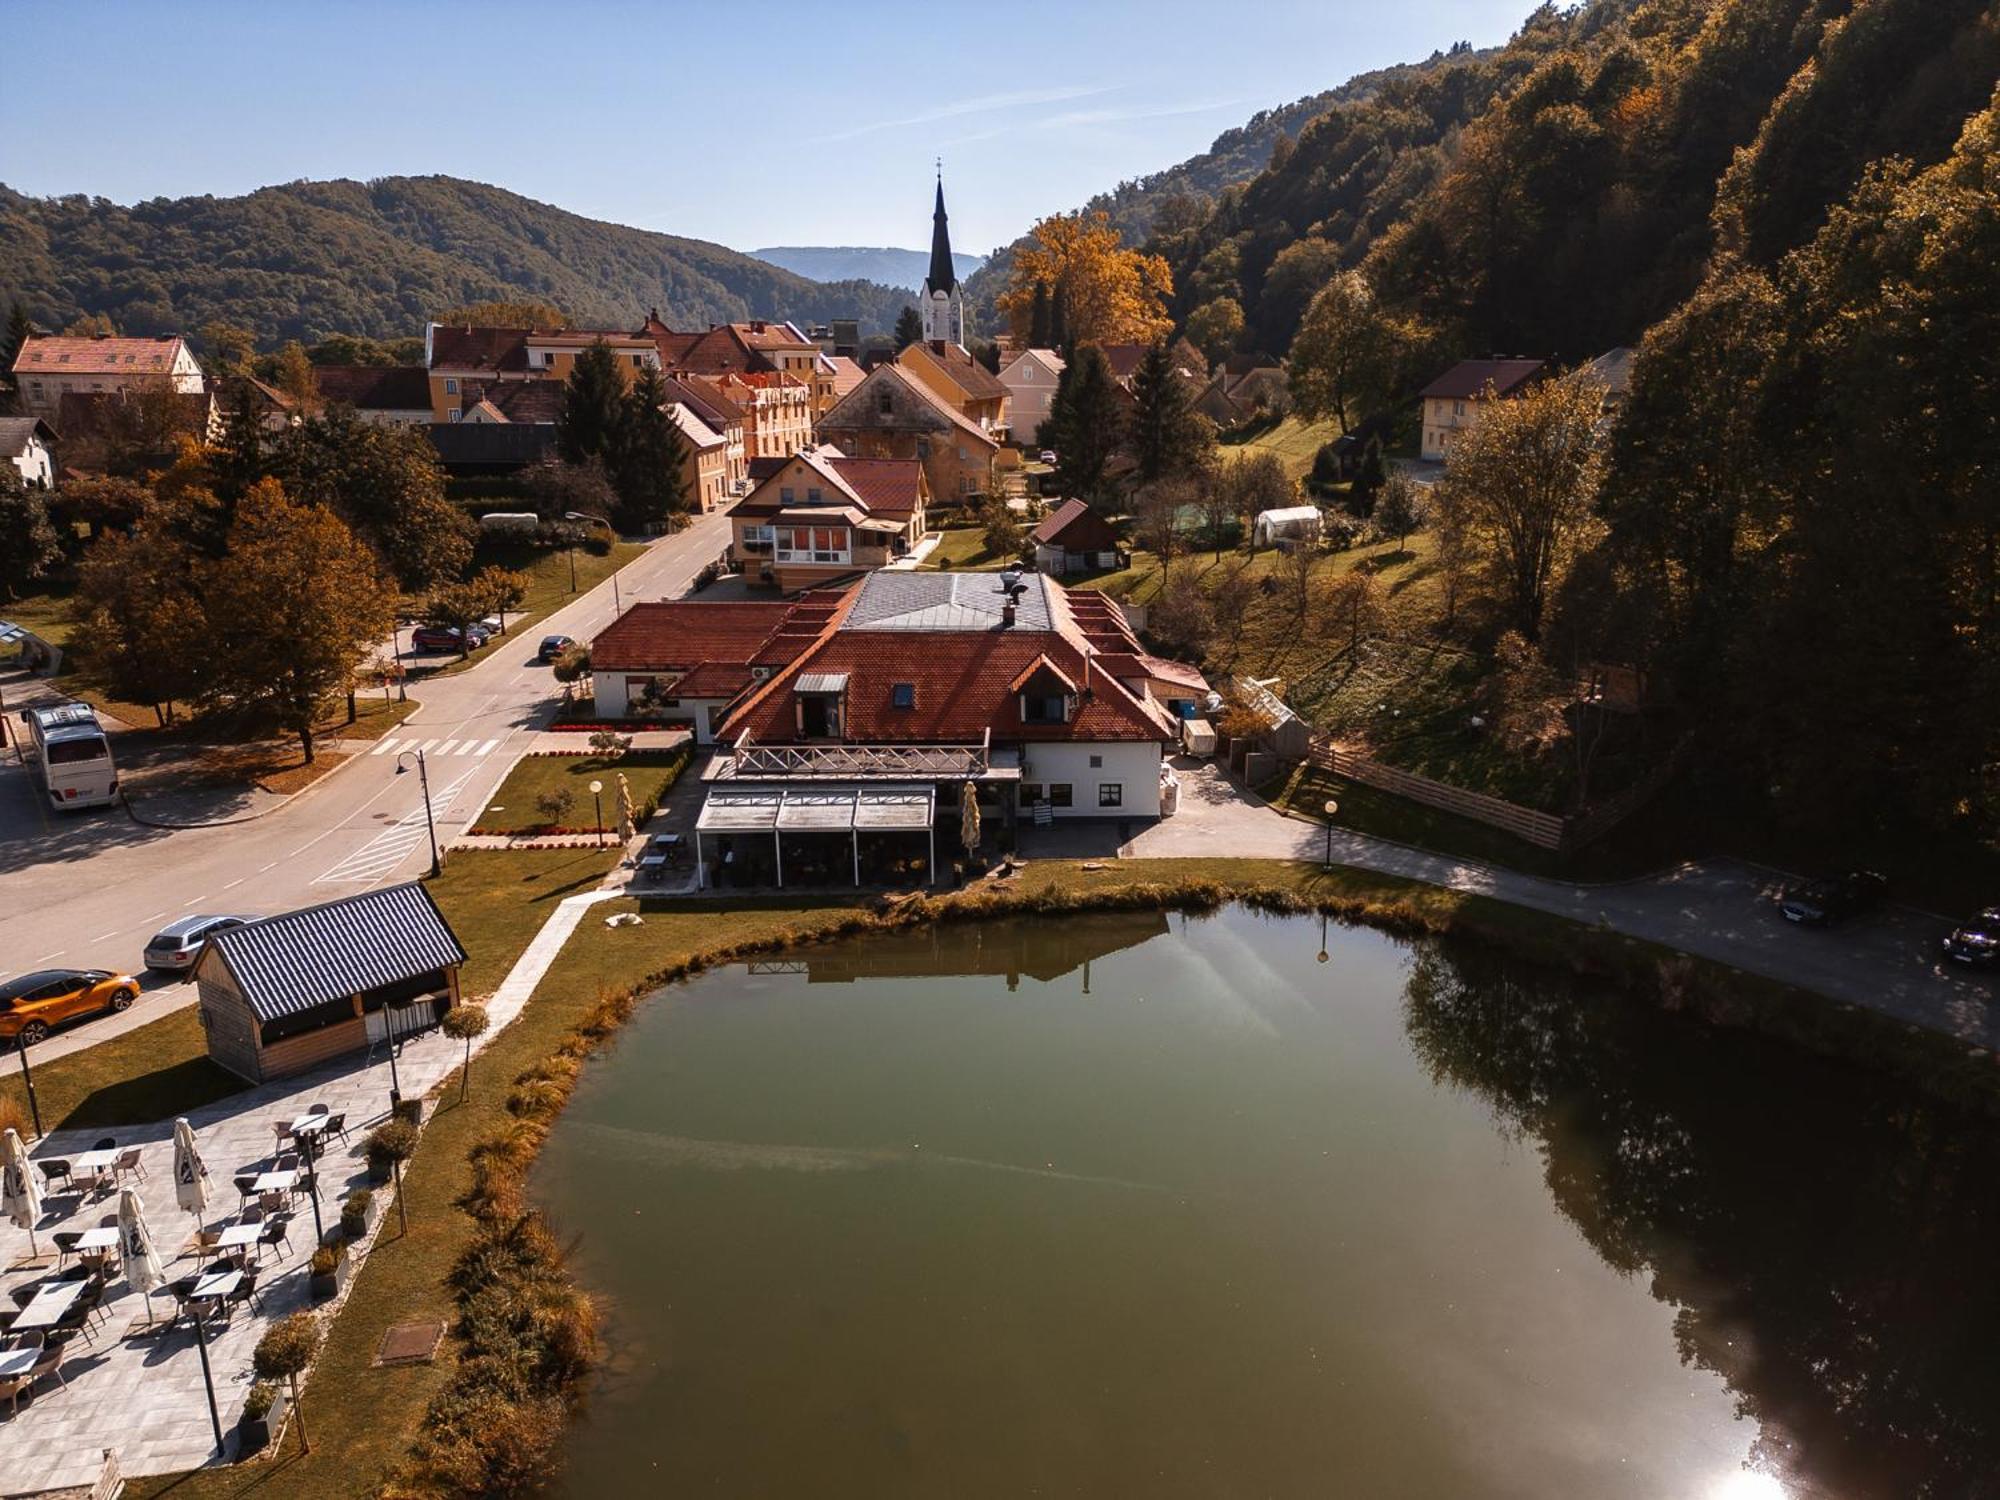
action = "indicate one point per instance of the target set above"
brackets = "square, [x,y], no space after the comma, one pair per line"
[89,1364]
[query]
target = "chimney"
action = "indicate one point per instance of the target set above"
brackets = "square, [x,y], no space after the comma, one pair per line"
[1007,615]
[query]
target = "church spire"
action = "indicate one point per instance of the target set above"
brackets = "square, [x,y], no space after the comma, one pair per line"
[943,277]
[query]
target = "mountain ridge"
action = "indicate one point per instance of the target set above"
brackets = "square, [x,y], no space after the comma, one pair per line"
[311,258]
[889,265]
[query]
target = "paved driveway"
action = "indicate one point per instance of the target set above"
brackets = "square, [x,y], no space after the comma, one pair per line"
[1719,909]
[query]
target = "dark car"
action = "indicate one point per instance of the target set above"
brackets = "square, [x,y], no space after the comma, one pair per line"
[552,647]
[446,637]
[1821,903]
[1977,941]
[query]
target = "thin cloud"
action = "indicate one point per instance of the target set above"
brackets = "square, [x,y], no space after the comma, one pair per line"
[977,106]
[1079,119]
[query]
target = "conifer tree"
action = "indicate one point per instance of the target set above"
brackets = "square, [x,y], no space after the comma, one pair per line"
[649,466]
[593,407]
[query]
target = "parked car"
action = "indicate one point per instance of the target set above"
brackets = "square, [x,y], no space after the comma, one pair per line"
[1821,903]
[34,1004]
[445,637]
[553,646]
[176,946]
[1976,941]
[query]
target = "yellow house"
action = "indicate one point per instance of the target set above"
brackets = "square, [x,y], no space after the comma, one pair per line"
[951,374]
[1452,401]
[817,518]
[455,356]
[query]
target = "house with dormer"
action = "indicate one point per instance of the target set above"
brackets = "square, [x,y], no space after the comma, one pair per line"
[892,414]
[818,516]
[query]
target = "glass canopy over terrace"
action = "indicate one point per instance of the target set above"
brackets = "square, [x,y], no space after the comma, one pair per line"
[826,831]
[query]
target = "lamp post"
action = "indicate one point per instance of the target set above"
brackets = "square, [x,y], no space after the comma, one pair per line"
[597,796]
[1332,812]
[313,1147]
[571,549]
[207,1375]
[430,822]
[395,1082]
[617,604]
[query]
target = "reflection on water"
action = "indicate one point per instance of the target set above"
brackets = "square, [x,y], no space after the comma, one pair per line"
[1100,1207]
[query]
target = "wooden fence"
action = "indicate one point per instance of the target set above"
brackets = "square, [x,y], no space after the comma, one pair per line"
[1544,830]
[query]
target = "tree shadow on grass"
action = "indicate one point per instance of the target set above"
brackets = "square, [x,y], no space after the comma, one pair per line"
[154,1096]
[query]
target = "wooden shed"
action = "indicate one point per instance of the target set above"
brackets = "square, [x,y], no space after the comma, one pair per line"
[294,991]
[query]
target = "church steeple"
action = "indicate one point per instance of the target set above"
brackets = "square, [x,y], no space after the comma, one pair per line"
[943,308]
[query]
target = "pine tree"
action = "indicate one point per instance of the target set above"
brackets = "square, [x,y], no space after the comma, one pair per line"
[1084,418]
[593,407]
[237,460]
[909,328]
[1166,437]
[18,329]
[649,466]
[1059,323]
[1038,318]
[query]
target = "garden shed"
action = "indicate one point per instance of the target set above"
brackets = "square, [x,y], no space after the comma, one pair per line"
[1301,522]
[294,991]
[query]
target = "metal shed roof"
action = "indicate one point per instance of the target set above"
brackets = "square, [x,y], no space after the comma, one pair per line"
[818,808]
[822,682]
[290,963]
[893,806]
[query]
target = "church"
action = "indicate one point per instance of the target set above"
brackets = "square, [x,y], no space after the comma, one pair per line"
[943,304]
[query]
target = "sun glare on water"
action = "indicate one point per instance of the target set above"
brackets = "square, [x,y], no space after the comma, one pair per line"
[1744,1485]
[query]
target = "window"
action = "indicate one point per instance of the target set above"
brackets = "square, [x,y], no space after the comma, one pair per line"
[1044,708]
[903,695]
[1059,794]
[451,387]
[456,414]
[813,496]
[1096,762]
[1110,794]
[885,404]
[785,494]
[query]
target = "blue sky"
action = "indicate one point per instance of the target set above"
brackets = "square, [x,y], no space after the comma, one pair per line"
[751,122]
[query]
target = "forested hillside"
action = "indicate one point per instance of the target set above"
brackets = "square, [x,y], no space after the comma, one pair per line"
[310,259]
[1182,194]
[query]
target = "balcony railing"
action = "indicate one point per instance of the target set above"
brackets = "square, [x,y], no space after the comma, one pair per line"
[855,762]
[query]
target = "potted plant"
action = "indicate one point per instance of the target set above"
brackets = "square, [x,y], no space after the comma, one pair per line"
[389,1143]
[329,1269]
[263,1417]
[355,1211]
[285,1352]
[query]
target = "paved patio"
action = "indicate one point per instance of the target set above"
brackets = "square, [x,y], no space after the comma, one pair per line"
[141,1393]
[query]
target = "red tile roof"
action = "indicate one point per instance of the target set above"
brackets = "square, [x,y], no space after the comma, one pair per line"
[1468,379]
[683,634]
[496,349]
[974,378]
[375,387]
[525,400]
[60,354]
[1075,527]
[887,486]
[705,399]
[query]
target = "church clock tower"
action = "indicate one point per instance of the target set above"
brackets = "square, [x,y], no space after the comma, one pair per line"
[943,307]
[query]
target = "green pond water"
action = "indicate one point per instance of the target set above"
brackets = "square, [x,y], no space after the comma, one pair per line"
[1236,1206]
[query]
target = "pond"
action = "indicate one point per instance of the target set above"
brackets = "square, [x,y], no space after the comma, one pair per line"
[1239,1205]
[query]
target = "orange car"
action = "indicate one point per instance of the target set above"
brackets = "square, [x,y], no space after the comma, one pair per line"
[34,1003]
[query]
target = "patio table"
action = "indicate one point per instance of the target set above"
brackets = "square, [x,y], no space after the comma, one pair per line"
[239,1234]
[51,1303]
[93,1163]
[215,1285]
[309,1124]
[105,1237]
[14,1362]
[278,1182]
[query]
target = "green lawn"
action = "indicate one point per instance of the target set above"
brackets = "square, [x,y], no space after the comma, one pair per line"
[1304,792]
[514,810]
[152,1072]
[963,548]
[1294,440]
[548,591]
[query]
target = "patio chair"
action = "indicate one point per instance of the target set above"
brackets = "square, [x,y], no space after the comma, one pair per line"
[204,1242]
[246,1291]
[336,1124]
[10,1387]
[72,1323]
[54,1169]
[246,1186]
[49,1364]
[128,1163]
[275,1233]
[23,1295]
[180,1291]
[252,1212]
[7,1321]
[282,1129]
[317,1109]
[285,1161]
[66,1244]
[273,1203]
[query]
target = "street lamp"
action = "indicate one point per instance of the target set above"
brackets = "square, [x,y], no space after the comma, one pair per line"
[617,604]
[396,646]
[597,796]
[1332,812]
[430,823]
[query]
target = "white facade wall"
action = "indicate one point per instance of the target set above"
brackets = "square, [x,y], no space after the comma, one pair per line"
[1133,768]
[617,690]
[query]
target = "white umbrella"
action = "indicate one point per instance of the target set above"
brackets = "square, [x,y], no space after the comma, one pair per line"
[190,1171]
[968,819]
[143,1270]
[22,1200]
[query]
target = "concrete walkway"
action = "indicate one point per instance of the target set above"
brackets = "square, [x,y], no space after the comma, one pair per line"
[1724,910]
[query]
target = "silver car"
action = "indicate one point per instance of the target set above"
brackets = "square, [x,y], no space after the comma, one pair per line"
[176,946]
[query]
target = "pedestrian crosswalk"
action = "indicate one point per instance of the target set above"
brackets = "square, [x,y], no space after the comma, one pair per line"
[438,748]
[389,848]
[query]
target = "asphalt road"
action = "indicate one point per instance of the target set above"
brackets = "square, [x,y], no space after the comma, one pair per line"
[86,890]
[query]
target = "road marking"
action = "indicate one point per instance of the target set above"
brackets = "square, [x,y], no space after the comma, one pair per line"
[234,883]
[426,747]
[389,848]
[154,917]
[271,866]
[103,935]
[47,956]
[445,748]
[385,747]
[487,748]
[186,904]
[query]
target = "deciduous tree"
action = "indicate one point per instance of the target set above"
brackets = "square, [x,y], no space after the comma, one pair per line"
[1216,327]
[300,605]
[29,543]
[1350,356]
[144,626]
[385,483]
[1400,509]
[1108,294]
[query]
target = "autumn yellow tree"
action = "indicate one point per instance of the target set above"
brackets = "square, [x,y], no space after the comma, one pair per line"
[1106,293]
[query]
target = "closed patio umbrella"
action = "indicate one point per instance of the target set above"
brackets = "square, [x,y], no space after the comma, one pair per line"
[968,819]
[190,1171]
[22,1198]
[143,1270]
[625,825]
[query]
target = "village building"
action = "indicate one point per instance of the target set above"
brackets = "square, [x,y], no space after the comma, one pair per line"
[48,367]
[457,356]
[952,375]
[757,347]
[1073,538]
[777,411]
[381,395]
[1030,377]
[859,718]
[140,426]
[1236,396]
[819,516]
[28,443]
[1452,402]
[706,403]
[292,992]
[893,415]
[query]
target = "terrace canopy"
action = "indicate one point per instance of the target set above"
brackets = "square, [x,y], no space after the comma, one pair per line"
[789,814]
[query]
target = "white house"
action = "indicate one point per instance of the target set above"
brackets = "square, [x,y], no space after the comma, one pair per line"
[26,442]
[50,366]
[1030,378]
